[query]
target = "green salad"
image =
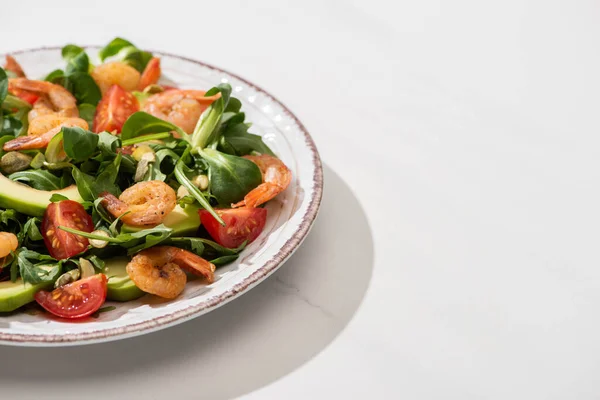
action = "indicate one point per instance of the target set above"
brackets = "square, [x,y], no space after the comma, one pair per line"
[114,185]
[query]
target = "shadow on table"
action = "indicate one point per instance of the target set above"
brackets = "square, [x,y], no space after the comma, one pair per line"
[253,341]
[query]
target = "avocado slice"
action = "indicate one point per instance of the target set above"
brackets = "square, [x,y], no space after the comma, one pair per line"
[28,200]
[183,221]
[120,286]
[16,294]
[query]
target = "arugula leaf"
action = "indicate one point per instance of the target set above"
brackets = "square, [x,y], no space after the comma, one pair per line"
[134,242]
[38,179]
[55,198]
[224,260]
[85,184]
[108,143]
[99,213]
[194,191]
[34,273]
[3,85]
[148,237]
[87,112]
[79,144]
[9,220]
[205,247]
[90,187]
[97,262]
[141,123]
[231,177]
[106,180]
[31,230]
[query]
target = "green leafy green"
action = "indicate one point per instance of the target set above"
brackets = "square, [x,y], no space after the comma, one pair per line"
[108,143]
[208,125]
[32,271]
[10,126]
[90,188]
[83,87]
[38,179]
[194,191]
[31,231]
[243,142]
[206,248]
[76,58]
[3,85]
[55,151]
[231,177]
[79,144]
[146,138]
[130,54]
[85,185]
[113,48]
[55,198]
[141,123]
[133,242]
[55,76]
[224,260]
[76,78]
[87,112]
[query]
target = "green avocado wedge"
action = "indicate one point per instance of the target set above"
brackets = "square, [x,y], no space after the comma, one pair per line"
[16,294]
[183,221]
[28,200]
[120,286]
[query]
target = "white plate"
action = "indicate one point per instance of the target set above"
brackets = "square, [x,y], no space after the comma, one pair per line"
[290,217]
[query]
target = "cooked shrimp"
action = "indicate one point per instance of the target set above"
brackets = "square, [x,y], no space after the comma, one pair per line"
[41,131]
[13,66]
[117,73]
[180,107]
[60,100]
[146,203]
[276,178]
[158,270]
[40,108]
[8,243]
[151,73]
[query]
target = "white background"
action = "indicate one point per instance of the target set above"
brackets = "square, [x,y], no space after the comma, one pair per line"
[455,255]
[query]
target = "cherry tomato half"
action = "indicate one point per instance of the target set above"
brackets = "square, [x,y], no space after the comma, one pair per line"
[69,213]
[75,300]
[241,224]
[113,110]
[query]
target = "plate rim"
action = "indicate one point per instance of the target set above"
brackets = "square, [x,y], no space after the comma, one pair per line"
[192,311]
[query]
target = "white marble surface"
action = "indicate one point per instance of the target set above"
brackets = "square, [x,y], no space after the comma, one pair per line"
[455,254]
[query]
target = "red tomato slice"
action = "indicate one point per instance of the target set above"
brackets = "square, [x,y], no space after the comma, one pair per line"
[75,300]
[241,224]
[62,244]
[151,73]
[113,110]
